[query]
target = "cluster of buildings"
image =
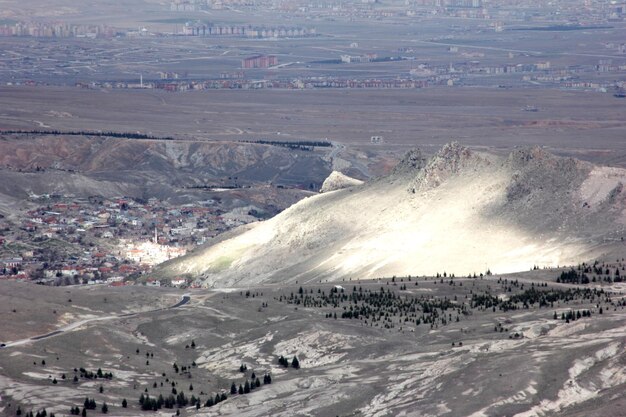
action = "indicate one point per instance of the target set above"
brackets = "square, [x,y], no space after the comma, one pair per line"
[70,30]
[247,31]
[185,6]
[590,11]
[526,10]
[469,71]
[95,240]
[196,5]
[473,70]
[287,84]
[56,30]
[349,59]
[446,3]
[150,253]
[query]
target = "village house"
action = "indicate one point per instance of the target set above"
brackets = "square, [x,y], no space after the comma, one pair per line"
[177,282]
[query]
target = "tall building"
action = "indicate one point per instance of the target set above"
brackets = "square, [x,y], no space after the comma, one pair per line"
[259,61]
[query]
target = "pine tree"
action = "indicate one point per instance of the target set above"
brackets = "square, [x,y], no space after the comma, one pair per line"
[124,403]
[105,408]
[295,363]
[233,389]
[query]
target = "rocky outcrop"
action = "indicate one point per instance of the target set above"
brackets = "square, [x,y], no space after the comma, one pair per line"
[338,181]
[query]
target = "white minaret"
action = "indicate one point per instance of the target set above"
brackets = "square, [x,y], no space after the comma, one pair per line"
[156,239]
[141,80]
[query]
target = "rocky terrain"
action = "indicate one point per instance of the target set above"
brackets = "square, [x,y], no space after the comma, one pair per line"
[460,212]
[517,345]
[338,181]
[86,165]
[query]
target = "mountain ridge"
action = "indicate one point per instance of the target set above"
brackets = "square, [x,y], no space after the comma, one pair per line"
[460,211]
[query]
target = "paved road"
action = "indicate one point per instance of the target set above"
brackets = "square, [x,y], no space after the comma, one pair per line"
[185,300]
[73,326]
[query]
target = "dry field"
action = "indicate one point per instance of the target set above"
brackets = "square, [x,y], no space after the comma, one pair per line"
[586,125]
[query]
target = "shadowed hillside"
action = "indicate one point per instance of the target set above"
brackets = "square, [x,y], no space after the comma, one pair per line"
[166,169]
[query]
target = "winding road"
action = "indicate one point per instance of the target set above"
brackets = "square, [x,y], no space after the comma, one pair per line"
[73,326]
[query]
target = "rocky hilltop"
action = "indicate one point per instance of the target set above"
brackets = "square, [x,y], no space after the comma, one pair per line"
[460,212]
[338,181]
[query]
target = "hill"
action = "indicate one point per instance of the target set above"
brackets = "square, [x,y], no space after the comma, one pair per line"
[338,181]
[177,170]
[459,212]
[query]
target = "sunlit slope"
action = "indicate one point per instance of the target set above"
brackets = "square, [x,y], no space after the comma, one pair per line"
[460,212]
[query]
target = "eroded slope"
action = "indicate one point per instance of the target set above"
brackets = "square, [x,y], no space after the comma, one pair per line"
[460,212]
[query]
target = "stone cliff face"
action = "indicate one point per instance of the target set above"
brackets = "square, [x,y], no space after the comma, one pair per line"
[460,211]
[449,161]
